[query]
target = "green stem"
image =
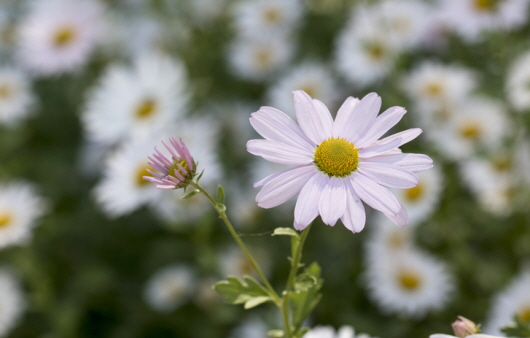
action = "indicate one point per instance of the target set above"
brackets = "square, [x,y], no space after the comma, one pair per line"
[222,214]
[295,265]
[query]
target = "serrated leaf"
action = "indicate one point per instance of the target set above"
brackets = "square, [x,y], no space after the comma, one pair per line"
[247,291]
[305,295]
[220,194]
[190,194]
[285,232]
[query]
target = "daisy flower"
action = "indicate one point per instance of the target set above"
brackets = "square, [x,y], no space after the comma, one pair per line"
[517,89]
[12,302]
[170,287]
[20,208]
[514,300]
[16,97]
[409,282]
[338,163]
[58,36]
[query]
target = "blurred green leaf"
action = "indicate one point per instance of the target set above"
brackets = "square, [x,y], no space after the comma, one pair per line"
[248,291]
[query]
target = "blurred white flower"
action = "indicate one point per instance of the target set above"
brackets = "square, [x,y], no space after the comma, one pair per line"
[409,283]
[59,36]
[13,303]
[232,261]
[20,208]
[136,101]
[471,18]
[344,331]
[421,200]
[478,124]
[254,18]
[16,97]
[387,239]
[517,80]
[257,59]
[513,300]
[313,78]
[170,287]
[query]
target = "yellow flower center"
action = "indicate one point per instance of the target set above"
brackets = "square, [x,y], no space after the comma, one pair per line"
[146,109]
[5,91]
[433,89]
[524,314]
[484,5]
[141,171]
[470,131]
[5,219]
[375,51]
[409,281]
[397,239]
[415,193]
[263,58]
[64,36]
[336,157]
[272,15]
[502,164]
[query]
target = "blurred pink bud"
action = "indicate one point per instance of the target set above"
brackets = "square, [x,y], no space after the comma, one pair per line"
[463,327]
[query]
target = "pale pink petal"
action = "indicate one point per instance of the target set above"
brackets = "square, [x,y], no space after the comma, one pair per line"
[354,216]
[361,119]
[343,115]
[381,125]
[375,195]
[325,117]
[333,201]
[411,162]
[284,186]
[306,209]
[274,125]
[404,136]
[310,120]
[389,175]
[378,149]
[401,218]
[279,152]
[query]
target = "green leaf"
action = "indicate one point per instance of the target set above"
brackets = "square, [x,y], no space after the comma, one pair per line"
[190,194]
[305,293]
[248,291]
[220,194]
[518,328]
[285,232]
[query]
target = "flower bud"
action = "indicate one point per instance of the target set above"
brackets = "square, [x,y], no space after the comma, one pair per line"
[463,327]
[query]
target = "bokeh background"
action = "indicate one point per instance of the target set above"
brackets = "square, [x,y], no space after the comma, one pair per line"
[88,89]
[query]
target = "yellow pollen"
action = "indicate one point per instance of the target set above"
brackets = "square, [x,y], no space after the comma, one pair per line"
[272,15]
[415,193]
[470,131]
[64,36]
[146,109]
[524,314]
[409,280]
[141,171]
[263,58]
[5,219]
[433,89]
[484,5]
[337,157]
[5,91]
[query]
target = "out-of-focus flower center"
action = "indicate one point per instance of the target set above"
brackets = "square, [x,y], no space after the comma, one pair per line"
[272,15]
[375,51]
[310,89]
[263,58]
[146,109]
[337,157]
[174,288]
[433,89]
[409,280]
[470,131]
[524,314]
[5,219]
[401,24]
[397,239]
[64,36]
[415,193]
[141,171]
[5,91]
[484,5]
[502,164]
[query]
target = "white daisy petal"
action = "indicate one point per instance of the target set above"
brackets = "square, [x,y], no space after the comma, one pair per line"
[306,208]
[275,125]
[379,148]
[354,216]
[403,137]
[389,175]
[363,117]
[279,152]
[332,201]
[411,162]
[325,117]
[343,114]
[381,125]
[284,186]
[375,195]
[401,218]
[311,121]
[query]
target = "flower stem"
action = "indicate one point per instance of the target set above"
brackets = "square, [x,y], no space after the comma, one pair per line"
[221,210]
[295,265]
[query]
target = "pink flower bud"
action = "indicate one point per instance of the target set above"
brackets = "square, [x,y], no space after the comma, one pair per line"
[463,327]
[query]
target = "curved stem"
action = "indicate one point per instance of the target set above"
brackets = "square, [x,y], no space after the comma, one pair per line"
[231,229]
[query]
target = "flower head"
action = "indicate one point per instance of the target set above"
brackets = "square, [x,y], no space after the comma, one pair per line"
[337,163]
[175,172]
[464,327]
